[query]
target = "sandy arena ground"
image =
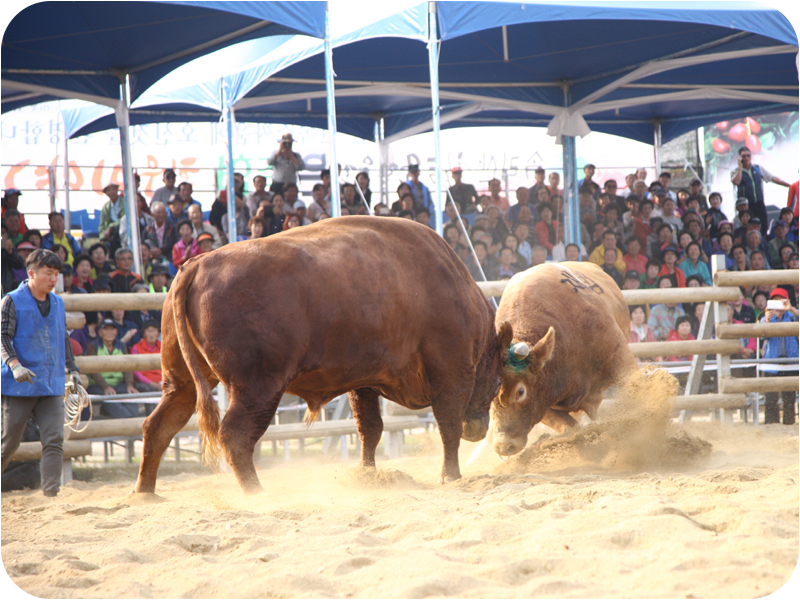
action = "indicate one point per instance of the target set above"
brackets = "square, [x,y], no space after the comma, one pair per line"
[571,518]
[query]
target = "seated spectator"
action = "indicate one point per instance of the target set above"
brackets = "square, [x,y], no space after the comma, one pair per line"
[13,222]
[406,214]
[11,263]
[320,203]
[538,183]
[786,253]
[406,202]
[160,235]
[111,215]
[609,258]
[452,235]
[547,228]
[681,333]
[256,226]
[10,202]
[111,383]
[68,277]
[59,251]
[186,247]
[481,265]
[260,194]
[123,277]
[742,311]
[692,265]
[665,238]
[777,244]
[507,268]
[714,215]
[300,211]
[629,216]
[573,253]
[195,214]
[24,250]
[684,239]
[100,264]
[349,199]
[523,196]
[609,242]
[102,285]
[127,330]
[740,260]
[423,217]
[242,215]
[148,381]
[669,258]
[780,347]
[759,304]
[88,333]
[538,255]
[758,261]
[163,194]
[634,260]
[640,330]
[663,316]
[291,222]
[58,236]
[519,261]
[205,241]
[748,344]
[612,221]
[631,281]
[158,279]
[495,225]
[559,251]
[139,317]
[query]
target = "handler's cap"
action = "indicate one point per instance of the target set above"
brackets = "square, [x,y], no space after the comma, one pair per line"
[631,274]
[204,236]
[779,293]
[741,200]
[150,323]
[110,185]
[107,323]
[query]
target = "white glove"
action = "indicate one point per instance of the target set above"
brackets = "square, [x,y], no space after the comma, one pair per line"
[22,374]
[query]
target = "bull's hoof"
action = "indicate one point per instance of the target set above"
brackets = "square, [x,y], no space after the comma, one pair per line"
[449,479]
[252,490]
[144,498]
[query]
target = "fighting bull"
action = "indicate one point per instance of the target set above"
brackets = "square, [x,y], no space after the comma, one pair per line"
[361,305]
[563,330]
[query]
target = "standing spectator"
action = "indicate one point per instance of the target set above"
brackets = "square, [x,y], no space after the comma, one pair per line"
[714,215]
[681,333]
[111,214]
[498,198]
[547,228]
[463,194]
[285,164]
[609,258]
[663,316]
[163,194]
[111,383]
[780,347]
[35,351]
[362,180]
[586,182]
[749,181]
[634,260]
[640,330]
[123,278]
[148,381]
[538,184]
[195,215]
[260,193]
[57,236]
[161,233]
[320,204]
[186,247]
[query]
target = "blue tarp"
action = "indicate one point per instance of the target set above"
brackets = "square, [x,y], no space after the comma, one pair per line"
[79,49]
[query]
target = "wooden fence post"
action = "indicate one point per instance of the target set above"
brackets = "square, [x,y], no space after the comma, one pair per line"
[721,316]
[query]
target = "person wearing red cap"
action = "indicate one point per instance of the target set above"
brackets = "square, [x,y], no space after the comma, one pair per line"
[780,347]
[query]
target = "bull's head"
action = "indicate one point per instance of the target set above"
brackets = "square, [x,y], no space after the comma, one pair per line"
[515,410]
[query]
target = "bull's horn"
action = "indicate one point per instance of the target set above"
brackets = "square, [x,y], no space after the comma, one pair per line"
[521,350]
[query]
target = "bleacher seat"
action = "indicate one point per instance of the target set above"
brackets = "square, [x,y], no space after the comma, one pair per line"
[90,224]
[76,217]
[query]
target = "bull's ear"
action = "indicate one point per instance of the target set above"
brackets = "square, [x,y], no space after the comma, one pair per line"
[505,333]
[543,350]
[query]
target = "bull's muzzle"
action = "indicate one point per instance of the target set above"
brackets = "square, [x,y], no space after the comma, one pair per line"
[506,445]
[474,427]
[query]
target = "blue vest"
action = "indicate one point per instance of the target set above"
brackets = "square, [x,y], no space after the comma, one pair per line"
[752,188]
[40,346]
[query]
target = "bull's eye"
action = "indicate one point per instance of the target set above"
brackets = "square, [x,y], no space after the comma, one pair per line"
[520,395]
[497,389]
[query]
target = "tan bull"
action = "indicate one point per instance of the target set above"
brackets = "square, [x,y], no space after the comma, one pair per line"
[564,331]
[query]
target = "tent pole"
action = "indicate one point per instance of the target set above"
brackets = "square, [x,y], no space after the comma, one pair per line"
[657,146]
[231,183]
[336,202]
[572,227]
[433,61]
[131,201]
[383,158]
[67,212]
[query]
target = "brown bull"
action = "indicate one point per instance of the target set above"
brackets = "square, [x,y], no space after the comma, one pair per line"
[366,305]
[564,331]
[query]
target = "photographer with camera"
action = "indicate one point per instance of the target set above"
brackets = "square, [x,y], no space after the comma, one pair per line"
[285,164]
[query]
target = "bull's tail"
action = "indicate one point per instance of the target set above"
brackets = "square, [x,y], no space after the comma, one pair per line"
[484,448]
[207,409]
[312,414]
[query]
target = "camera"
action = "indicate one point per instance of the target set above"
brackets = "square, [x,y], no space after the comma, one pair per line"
[775,305]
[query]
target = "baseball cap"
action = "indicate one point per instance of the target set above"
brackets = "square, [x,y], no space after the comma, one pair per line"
[741,200]
[413,167]
[11,192]
[456,170]
[150,323]
[168,172]
[755,221]
[158,270]
[107,323]
[696,181]
[781,223]
[631,274]
[204,236]
[779,293]
[669,249]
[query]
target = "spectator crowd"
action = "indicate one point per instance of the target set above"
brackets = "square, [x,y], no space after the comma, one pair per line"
[642,234]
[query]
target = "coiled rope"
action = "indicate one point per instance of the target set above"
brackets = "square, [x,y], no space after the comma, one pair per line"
[75,400]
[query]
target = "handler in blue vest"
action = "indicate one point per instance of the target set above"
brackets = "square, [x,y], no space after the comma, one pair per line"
[35,352]
[749,181]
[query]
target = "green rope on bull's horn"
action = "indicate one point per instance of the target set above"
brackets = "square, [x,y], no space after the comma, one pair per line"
[517,364]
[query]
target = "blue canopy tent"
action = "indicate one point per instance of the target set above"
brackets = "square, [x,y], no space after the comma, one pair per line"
[94,51]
